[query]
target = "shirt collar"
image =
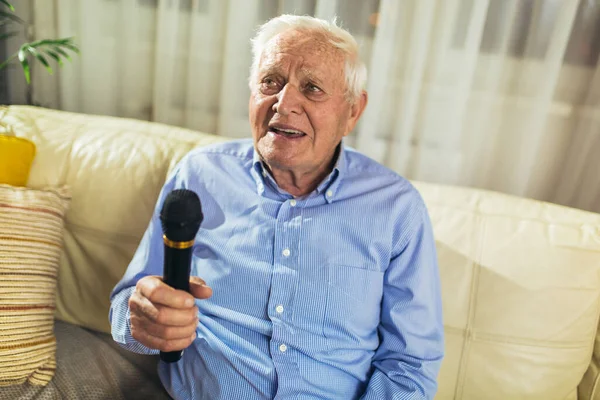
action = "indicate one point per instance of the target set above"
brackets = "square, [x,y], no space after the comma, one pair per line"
[327,188]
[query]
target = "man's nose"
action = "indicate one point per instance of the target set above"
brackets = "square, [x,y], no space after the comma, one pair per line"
[289,100]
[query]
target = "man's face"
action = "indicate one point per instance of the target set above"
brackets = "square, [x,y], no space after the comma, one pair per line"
[298,108]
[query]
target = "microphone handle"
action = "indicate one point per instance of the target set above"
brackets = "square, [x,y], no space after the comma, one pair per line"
[176,272]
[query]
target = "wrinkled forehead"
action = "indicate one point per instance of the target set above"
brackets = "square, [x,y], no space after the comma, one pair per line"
[311,53]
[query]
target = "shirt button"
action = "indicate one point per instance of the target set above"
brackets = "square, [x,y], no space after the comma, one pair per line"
[286,252]
[329,193]
[293,203]
[282,348]
[279,309]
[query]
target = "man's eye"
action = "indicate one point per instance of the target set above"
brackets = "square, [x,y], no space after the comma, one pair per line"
[269,84]
[313,88]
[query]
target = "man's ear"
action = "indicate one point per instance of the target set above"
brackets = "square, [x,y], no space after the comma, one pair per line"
[356,111]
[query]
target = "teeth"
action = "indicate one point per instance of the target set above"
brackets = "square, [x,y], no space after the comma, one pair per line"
[289,131]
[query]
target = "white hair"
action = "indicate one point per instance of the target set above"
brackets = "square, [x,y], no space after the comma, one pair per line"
[355,69]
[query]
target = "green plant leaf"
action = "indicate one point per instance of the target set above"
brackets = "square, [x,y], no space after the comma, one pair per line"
[24,64]
[65,40]
[46,42]
[71,46]
[62,52]
[7,15]
[54,42]
[8,60]
[55,48]
[62,44]
[54,55]
[7,35]
[40,58]
[7,4]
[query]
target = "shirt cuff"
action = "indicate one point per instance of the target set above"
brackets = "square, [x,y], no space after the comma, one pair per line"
[120,324]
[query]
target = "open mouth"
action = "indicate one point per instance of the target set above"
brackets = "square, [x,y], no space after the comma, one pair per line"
[288,133]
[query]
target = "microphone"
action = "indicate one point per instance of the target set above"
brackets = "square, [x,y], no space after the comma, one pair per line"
[180,218]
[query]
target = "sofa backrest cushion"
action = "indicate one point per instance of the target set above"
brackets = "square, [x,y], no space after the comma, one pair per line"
[521,293]
[115,168]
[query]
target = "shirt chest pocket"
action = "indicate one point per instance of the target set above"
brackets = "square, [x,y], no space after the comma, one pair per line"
[352,309]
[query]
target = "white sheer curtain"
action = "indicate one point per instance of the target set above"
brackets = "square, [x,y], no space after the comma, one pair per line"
[497,94]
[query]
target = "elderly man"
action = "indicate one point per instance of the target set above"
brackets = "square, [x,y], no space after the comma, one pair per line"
[318,265]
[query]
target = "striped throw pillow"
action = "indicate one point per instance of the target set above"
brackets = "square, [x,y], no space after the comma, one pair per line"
[31,234]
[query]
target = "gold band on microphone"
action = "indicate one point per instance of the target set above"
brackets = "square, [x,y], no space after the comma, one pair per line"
[178,245]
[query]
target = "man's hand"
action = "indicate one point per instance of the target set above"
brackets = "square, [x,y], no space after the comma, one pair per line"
[163,318]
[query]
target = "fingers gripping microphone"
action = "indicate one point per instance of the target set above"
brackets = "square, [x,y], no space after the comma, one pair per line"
[180,217]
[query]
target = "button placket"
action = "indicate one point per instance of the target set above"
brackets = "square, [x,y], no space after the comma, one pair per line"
[284,280]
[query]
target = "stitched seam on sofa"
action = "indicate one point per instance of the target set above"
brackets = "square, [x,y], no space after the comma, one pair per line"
[109,237]
[119,122]
[464,363]
[500,195]
[513,340]
[491,337]
[60,116]
[520,218]
[454,330]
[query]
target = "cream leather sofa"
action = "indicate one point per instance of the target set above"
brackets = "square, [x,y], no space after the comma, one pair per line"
[520,278]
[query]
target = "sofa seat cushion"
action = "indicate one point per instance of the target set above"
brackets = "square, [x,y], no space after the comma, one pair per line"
[91,366]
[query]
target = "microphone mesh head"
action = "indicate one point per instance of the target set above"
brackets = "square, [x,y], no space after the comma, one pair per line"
[181,215]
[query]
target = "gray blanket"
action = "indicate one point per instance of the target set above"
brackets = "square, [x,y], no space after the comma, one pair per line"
[91,366]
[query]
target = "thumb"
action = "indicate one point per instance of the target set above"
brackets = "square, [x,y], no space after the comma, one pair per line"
[199,289]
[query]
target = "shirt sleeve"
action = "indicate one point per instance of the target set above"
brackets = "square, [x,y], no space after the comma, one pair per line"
[407,361]
[148,260]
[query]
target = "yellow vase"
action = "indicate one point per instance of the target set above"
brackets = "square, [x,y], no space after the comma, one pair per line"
[16,157]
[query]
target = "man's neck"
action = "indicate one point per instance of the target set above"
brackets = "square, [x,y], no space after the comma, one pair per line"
[300,183]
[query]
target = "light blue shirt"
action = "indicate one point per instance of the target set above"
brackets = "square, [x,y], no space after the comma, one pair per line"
[335,295]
